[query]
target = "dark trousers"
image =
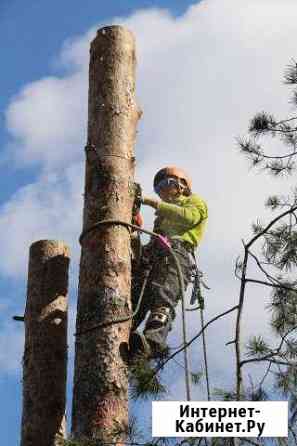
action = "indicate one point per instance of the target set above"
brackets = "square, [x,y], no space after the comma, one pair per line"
[162,292]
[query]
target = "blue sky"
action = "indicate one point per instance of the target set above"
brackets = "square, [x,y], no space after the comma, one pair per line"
[32,33]
[204,68]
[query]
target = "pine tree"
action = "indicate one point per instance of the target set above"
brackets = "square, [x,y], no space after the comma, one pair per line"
[276,259]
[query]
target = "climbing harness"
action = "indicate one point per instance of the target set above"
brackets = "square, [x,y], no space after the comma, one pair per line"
[147,270]
[166,243]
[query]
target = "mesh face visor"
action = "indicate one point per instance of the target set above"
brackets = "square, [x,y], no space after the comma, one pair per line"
[168,181]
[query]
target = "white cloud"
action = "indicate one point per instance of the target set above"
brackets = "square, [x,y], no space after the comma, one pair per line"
[200,79]
[48,209]
[74,55]
[48,120]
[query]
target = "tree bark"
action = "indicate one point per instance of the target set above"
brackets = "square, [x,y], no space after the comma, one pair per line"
[45,355]
[100,395]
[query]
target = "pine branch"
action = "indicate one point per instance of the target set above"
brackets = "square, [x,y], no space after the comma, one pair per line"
[291,73]
[273,285]
[144,382]
[272,223]
[162,365]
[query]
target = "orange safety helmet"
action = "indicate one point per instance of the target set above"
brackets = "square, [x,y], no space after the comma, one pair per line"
[172,171]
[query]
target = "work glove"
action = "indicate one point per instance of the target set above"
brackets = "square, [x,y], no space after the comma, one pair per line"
[150,202]
[138,220]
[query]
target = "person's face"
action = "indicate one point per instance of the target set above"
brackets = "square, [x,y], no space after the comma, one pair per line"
[169,192]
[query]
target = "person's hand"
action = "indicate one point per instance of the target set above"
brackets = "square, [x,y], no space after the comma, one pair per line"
[150,202]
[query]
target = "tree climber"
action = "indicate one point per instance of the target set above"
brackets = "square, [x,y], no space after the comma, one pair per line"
[180,217]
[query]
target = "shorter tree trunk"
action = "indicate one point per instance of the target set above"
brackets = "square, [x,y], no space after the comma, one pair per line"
[45,355]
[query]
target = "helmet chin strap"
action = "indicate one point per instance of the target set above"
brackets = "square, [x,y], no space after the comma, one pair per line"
[180,187]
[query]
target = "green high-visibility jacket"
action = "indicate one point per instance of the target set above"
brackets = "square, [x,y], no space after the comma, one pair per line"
[184,219]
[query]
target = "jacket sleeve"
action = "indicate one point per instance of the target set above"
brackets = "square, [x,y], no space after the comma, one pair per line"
[190,214]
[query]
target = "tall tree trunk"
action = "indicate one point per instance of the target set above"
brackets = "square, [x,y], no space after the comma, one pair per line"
[100,395]
[45,355]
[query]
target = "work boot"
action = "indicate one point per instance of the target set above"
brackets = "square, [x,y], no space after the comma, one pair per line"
[156,330]
[139,347]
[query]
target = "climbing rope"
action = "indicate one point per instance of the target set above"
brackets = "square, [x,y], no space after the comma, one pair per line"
[204,354]
[147,271]
[125,318]
[180,280]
